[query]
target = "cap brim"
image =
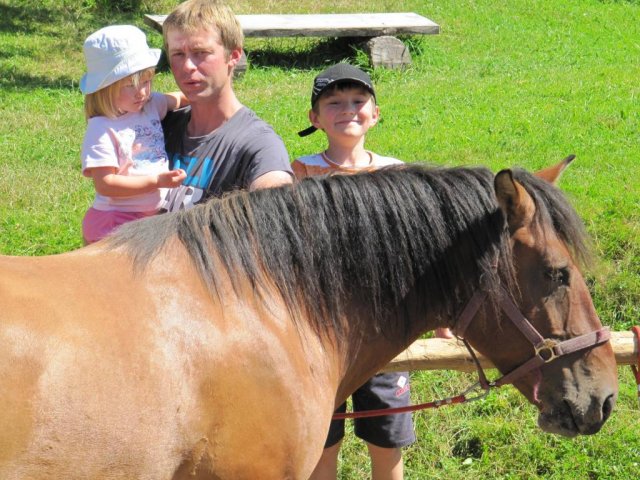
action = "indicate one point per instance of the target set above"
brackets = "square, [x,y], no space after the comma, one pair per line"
[337,81]
[307,131]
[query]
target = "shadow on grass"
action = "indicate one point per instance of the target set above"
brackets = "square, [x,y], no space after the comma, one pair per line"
[25,19]
[38,31]
[18,81]
[315,53]
[312,54]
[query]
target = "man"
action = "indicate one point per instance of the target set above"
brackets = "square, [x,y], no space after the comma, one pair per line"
[222,145]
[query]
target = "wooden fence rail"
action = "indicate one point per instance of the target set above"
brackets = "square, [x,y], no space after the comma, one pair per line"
[443,354]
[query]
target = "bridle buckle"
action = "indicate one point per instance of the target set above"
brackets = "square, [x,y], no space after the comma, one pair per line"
[546,350]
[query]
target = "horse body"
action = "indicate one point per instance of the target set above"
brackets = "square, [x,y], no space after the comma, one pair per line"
[216,343]
[135,378]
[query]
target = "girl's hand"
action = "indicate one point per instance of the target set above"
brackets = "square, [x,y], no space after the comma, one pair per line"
[172,178]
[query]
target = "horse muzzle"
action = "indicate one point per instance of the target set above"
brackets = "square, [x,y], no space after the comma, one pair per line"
[570,419]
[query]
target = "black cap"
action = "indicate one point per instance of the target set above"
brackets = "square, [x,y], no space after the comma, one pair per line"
[338,73]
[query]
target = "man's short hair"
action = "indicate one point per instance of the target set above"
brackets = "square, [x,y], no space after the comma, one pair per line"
[213,15]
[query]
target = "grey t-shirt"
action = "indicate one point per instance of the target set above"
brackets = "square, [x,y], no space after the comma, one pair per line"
[229,158]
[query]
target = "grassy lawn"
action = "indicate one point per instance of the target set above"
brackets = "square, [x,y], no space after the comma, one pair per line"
[518,83]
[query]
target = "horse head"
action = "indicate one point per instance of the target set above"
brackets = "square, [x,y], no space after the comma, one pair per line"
[575,391]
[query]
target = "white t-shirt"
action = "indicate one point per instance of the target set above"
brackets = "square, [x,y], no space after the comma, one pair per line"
[311,165]
[132,143]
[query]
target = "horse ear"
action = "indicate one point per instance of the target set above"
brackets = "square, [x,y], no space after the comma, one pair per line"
[552,174]
[514,200]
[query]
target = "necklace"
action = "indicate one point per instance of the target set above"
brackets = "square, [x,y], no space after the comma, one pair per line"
[335,164]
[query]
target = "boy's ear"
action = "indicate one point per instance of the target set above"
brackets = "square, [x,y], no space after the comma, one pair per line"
[376,115]
[313,118]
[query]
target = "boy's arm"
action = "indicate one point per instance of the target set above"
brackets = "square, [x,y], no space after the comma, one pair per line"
[176,100]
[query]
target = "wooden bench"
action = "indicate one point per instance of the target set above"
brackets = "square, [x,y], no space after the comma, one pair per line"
[378,29]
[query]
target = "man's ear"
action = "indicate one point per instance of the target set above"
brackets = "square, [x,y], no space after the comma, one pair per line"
[515,202]
[552,174]
[234,56]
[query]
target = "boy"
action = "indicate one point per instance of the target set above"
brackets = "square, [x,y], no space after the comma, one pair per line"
[343,105]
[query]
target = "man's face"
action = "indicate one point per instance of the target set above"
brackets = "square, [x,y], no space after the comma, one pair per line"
[201,66]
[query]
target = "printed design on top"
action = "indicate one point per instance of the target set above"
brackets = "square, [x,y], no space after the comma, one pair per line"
[140,149]
[192,190]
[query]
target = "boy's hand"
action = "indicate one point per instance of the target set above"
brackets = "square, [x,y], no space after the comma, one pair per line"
[172,178]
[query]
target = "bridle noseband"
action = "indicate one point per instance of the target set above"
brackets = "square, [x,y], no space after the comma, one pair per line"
[546,350]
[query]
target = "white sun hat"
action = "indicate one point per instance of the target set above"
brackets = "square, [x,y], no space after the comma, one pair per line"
[113,53]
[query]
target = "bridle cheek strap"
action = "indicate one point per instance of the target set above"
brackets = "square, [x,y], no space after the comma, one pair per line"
[546,349]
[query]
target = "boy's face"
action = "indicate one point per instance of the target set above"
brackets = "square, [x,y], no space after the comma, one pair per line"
[348,112]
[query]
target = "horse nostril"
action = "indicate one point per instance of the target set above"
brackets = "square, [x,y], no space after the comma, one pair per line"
[607,407]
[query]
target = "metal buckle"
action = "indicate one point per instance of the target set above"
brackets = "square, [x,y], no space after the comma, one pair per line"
[478,392]
[545,349]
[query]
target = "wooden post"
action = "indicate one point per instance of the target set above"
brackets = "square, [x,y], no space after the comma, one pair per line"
[444,354]
[387,51]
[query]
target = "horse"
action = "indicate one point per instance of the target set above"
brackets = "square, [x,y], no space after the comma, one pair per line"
[215,343]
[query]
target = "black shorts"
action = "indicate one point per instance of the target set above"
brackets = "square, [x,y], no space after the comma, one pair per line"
[385,390]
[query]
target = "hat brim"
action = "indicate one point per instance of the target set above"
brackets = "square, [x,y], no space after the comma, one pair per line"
[92,82]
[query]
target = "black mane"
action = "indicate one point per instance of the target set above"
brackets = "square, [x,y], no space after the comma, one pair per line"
[381,247]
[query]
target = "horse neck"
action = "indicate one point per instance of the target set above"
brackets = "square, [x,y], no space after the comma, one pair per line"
[367,353]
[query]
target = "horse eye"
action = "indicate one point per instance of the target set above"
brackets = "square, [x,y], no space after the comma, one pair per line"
[558,275]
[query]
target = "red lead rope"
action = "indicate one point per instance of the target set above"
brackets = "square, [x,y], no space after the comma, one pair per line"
[474,392]
[636,368]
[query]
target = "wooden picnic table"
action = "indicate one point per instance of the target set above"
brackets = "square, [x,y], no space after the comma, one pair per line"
[379,28]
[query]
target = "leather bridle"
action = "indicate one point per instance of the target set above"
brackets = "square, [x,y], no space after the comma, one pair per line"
[546,350]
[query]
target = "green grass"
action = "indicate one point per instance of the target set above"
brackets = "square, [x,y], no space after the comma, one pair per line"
[518,83]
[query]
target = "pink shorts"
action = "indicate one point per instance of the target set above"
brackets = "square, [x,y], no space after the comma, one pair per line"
[97,224]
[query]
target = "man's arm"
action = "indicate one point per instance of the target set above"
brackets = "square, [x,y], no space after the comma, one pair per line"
[271,179]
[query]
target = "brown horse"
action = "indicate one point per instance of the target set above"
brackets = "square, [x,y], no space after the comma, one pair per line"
[215,343]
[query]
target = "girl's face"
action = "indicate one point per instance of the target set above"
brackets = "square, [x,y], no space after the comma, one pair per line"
[131,97]
[348,112]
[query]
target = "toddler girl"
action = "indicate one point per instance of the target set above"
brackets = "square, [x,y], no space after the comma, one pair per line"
[123,149]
